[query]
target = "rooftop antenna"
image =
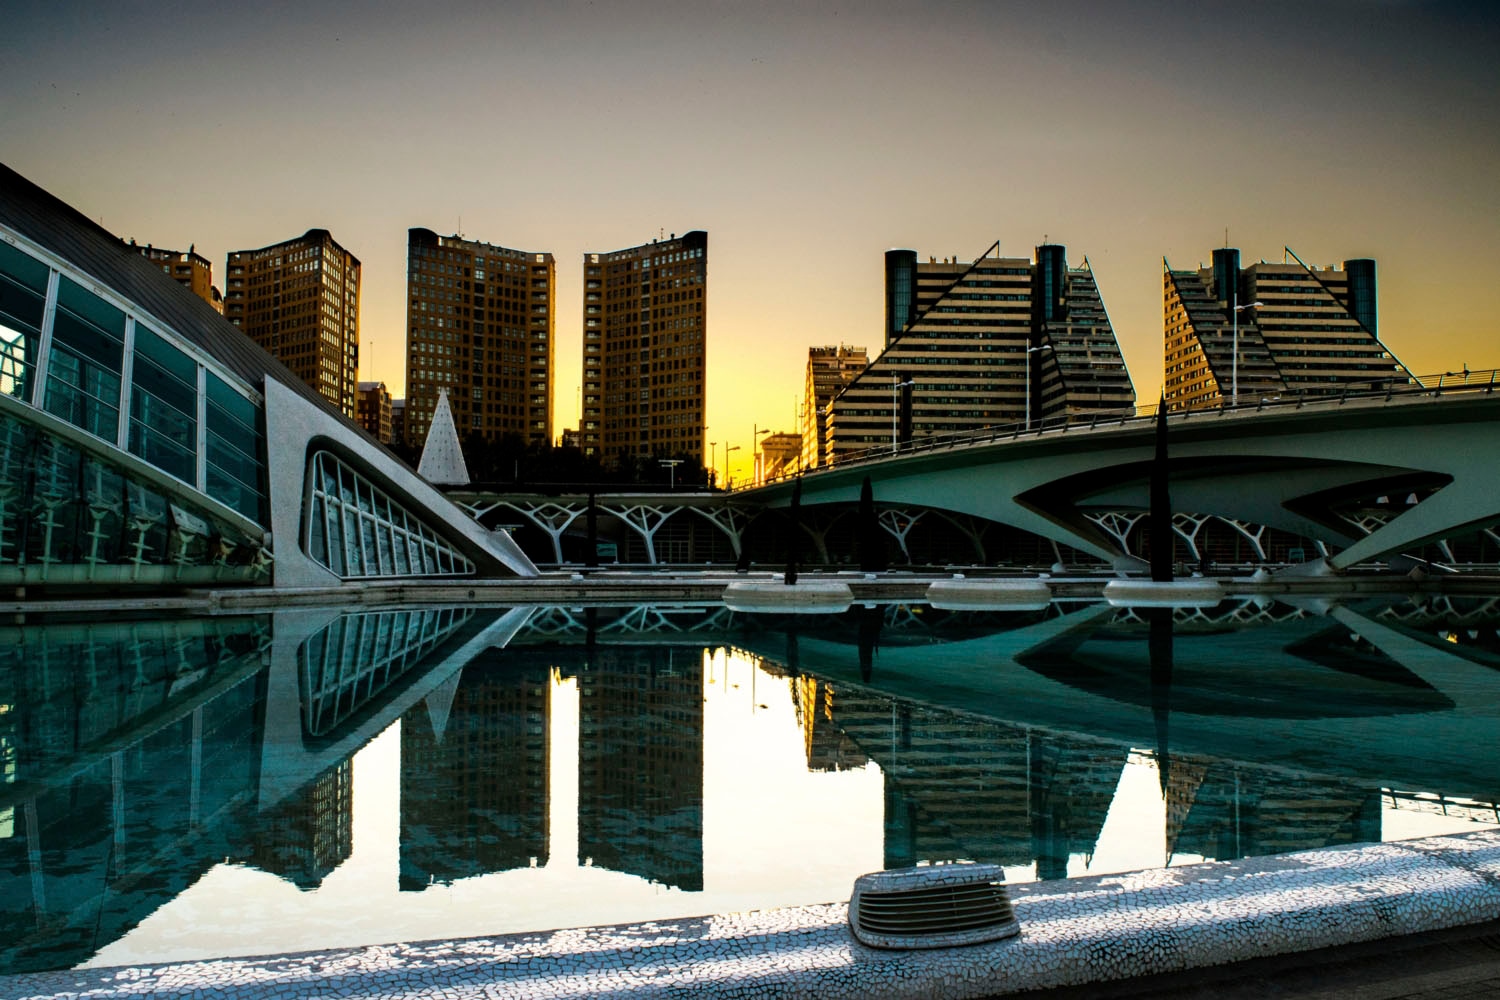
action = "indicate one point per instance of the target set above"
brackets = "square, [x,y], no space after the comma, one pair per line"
[1226,237]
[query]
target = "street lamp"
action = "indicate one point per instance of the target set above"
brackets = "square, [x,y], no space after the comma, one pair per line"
[671,464]
[1234,390]
[755,466]
[713,452]
[1029,352]
[727,449]
[896,386]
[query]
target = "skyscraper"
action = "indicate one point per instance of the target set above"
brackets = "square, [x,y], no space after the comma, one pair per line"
[1001,340]
[645,350]
[300,301]
[481,323]
[829,369]
[1270,329]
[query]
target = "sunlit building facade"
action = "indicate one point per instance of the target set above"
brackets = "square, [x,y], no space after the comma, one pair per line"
[998,341]
[645,350]
[829,369]
[137,429]
[480,323]
[299,300]
[1271,330]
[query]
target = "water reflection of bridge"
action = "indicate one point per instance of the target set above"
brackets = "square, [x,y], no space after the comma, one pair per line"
[133,758]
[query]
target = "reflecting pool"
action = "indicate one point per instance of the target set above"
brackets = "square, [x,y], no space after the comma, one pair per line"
[316,778]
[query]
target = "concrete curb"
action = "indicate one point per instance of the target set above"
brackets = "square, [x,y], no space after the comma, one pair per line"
[1073,933]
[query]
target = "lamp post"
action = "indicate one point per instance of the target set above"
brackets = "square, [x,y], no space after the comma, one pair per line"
[1029,352]
[727,449]
[713,452]
[896,386]
[755,436]
[671,464]
[1234,390]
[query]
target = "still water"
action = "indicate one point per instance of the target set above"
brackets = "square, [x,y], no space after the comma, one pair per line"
[207,787]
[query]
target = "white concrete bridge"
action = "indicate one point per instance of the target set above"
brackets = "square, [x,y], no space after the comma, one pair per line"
[1432,454]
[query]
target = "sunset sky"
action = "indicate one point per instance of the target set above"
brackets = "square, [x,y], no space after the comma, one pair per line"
[805,138]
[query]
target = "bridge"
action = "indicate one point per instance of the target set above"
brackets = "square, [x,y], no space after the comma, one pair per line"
[1367,475]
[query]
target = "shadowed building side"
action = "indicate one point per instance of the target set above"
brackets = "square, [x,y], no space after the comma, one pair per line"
[645,351]
[481,325]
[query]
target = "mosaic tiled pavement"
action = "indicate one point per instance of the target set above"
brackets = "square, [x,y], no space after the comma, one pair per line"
[1072,933]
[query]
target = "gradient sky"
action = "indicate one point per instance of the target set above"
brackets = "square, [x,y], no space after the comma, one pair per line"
[806,138]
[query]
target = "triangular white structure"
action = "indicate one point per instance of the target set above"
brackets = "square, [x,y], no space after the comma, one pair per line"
[440,705]
[442,461]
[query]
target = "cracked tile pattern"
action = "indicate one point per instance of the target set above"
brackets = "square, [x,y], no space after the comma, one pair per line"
[1073,932]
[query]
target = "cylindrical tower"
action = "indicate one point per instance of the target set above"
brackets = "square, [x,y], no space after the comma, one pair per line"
[900,291]
[1050,289]
[1227,275]
[1361,303]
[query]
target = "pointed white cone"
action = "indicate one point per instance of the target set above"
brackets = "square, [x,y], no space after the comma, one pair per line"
[440,705]
[442,461]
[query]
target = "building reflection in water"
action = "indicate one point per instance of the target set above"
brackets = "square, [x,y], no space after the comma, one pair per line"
[474,777]
[125,771]
[640,763]
[136,758]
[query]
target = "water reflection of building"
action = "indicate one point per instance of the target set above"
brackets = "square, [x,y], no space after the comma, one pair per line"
[1223,811]
[308,834]
[828,747]
[957,786]
[954,787]
[640,763]
[474,774]
[123,775]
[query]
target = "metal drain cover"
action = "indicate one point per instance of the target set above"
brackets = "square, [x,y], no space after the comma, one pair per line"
[933,906]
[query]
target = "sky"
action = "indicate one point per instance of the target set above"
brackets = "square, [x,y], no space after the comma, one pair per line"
[806,138]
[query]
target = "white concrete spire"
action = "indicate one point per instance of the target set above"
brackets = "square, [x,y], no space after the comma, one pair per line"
[442,461]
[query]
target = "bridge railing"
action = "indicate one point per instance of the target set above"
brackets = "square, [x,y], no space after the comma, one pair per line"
[1338,394]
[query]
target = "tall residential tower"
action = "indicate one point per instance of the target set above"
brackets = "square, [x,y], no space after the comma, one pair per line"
[1001,340]
[1269,330]
[645,350]
[480,322]
[300,301]
[829,369]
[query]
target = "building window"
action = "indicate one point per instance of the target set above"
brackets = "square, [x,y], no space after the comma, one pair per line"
[355,530]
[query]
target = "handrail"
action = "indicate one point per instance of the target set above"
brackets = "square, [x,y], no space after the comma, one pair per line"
[1336,394]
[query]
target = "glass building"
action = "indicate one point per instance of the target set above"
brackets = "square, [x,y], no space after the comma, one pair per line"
[134,422]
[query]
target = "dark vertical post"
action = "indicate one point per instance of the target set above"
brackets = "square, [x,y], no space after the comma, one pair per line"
[1161,503]
[870,620]
[867,531]
[591,519]
[794,539]
[1161,687]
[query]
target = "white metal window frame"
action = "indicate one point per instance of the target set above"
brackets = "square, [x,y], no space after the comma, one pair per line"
[372,537]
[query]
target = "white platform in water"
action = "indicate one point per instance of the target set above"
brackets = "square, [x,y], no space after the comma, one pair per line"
[815,597]
[1195,592]
[980,595]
